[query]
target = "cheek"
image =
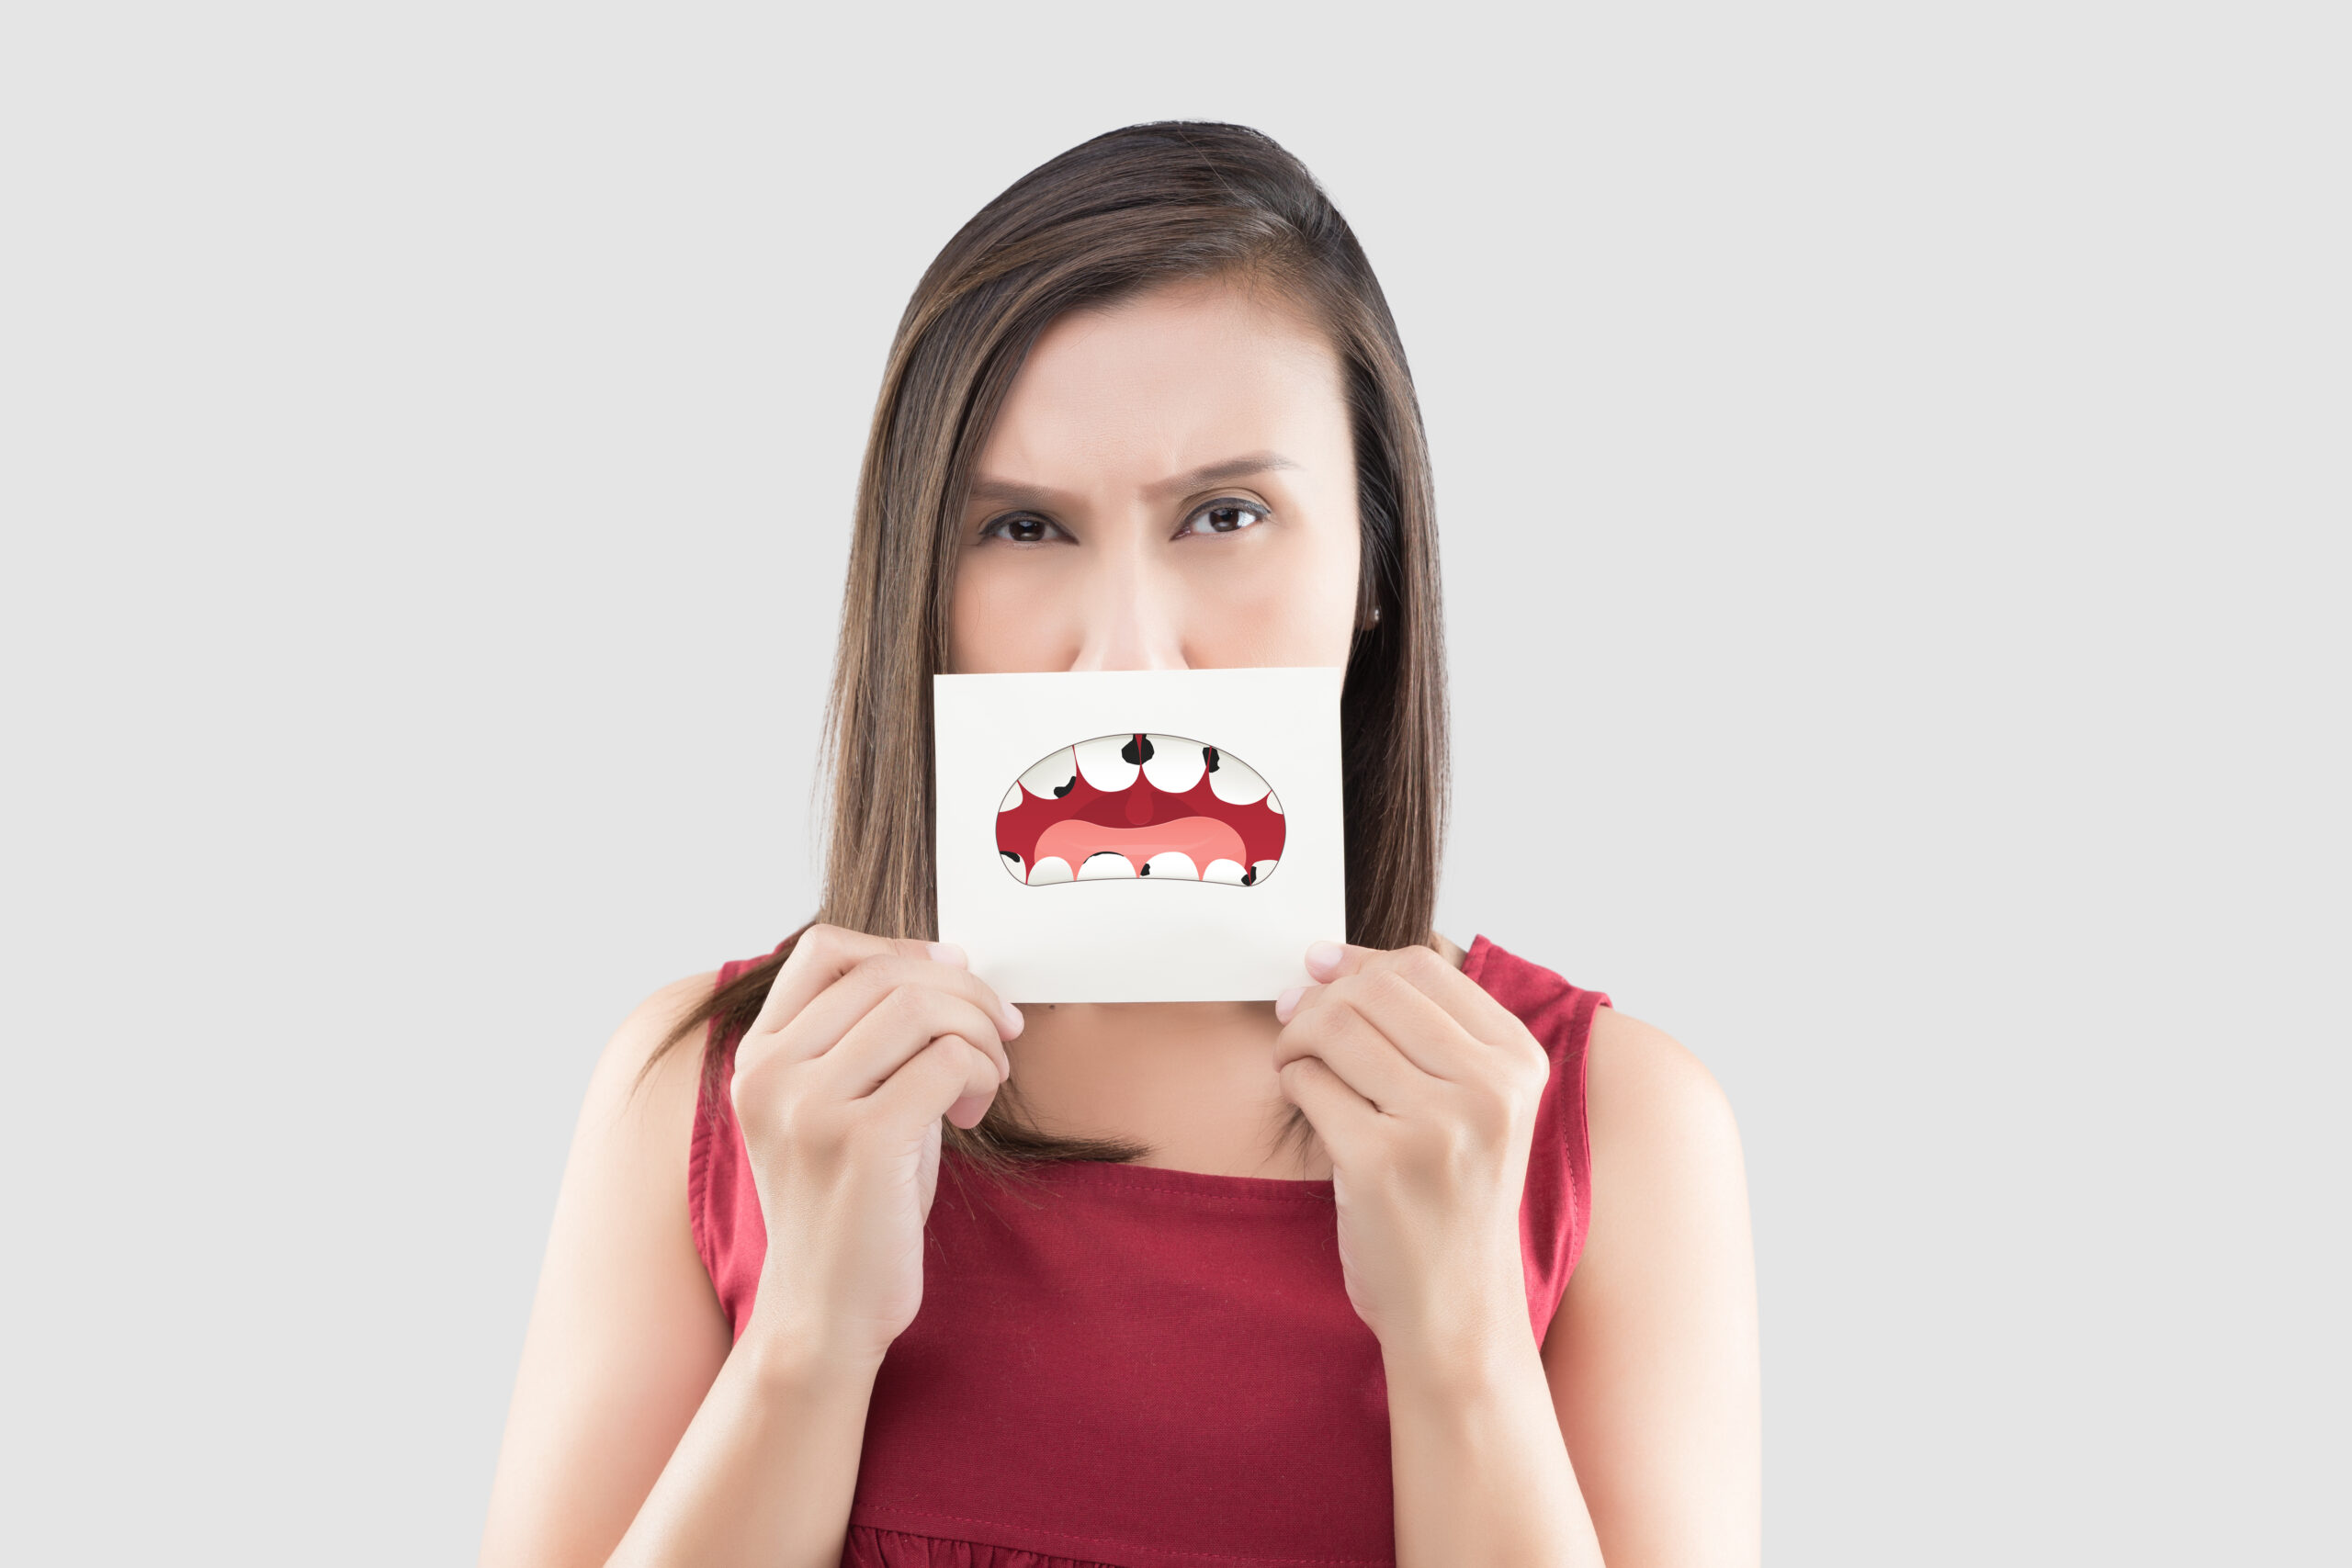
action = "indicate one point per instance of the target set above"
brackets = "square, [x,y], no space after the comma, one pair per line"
[994,621]
[1295,606]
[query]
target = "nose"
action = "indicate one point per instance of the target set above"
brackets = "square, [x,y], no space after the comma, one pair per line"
[1131,616]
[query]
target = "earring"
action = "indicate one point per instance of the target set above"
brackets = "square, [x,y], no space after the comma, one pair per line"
[1375,615]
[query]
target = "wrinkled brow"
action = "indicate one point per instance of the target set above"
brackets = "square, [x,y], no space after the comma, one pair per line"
[1223,473]
[1007,492]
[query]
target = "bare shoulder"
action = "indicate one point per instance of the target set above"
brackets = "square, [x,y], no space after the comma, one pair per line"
[1669,1181]
[632,1092]
[1645,1093]
[628,1171]
[626,1333]
[1670,1241]
[654,1017]
[1652,1356]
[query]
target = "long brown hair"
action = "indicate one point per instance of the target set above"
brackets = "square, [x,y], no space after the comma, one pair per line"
[1124,212]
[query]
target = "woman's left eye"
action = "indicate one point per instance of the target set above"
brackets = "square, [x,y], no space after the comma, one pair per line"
[1224,517]
[1021,530]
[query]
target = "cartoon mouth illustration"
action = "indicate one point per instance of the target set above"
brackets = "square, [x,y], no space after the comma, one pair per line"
[1157,806]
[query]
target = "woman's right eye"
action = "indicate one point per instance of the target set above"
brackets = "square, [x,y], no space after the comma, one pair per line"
[1021,530]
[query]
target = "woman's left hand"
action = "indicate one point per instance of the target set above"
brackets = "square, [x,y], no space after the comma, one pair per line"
[1424,1091]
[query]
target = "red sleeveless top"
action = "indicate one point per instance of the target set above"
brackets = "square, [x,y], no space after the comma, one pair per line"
[1145,1368]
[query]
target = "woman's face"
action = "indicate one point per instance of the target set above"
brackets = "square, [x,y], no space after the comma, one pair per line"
[1171,485]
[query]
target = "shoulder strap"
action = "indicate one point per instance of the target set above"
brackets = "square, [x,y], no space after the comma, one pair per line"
[1556,1211]
[722,1203]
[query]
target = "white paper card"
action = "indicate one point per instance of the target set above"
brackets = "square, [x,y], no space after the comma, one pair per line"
[1140,835]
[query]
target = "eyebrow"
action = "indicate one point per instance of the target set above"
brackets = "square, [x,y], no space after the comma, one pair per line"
[1008,493]
[1223,473]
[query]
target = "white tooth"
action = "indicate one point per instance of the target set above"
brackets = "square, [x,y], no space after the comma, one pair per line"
[1100,761]
[1011,798]
[1052,774]
[1171,866]
[1053,868]
[1011,864]
[1234,782]
[1260,870]
[1273,805]
[1103,864]
[1226,871]
[1176,763]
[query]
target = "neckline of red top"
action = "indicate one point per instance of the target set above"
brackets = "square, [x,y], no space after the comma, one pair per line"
[1147,1178]
[1143,1177]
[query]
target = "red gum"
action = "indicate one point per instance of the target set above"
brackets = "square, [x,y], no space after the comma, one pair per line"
[1259,825]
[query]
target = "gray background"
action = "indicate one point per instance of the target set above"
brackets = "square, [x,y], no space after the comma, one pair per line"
[1892,473]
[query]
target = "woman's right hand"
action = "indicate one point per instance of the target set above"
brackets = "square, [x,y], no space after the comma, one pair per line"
[863,1044]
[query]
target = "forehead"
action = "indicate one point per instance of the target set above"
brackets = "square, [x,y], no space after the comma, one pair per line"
[1168,380]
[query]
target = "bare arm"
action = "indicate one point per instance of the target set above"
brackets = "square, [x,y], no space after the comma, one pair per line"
[627,1378]
[625,1334]
[639,1436]
[1642,1451]
[1478,1472]
[1631,1435]
[766,1473]
[1652,1358]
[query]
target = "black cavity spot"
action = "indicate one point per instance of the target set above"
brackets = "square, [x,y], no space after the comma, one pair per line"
[1011,856]
[1061,790]
[1250,877]
[1208,755]
[1146,871]
[1138,750]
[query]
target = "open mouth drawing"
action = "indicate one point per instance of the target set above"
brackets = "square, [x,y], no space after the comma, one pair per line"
[1157,805]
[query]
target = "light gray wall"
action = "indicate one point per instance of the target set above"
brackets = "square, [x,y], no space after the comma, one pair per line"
[1892,474]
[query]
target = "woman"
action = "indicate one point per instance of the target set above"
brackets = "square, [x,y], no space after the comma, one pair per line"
[1437,1261]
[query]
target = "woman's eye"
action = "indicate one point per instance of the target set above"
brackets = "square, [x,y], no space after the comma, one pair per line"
[1224,517]
[1019,530]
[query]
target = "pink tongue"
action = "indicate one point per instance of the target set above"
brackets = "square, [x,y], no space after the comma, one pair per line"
[1204,839]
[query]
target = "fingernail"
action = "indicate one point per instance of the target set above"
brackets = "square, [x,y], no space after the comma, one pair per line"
[1287,1003]
[1012,1021]
[948,952]
[1323,959]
